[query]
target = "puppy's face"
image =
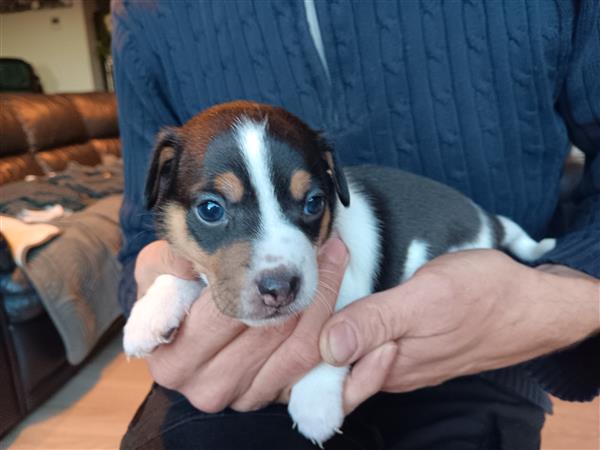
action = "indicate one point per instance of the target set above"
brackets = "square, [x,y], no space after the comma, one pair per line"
[247,193]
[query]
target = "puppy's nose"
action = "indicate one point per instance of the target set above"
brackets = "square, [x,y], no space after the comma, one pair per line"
[278,288]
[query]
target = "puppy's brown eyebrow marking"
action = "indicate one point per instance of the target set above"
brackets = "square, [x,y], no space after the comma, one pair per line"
[230,186]
[299,184]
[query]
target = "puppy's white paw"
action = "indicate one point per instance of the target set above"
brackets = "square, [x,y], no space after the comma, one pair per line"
[147,328]
[316,403]
[156,315]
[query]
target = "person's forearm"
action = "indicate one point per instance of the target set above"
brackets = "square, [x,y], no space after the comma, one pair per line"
[573,298]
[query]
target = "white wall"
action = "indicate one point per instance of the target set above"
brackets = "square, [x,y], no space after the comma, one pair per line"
[60,53]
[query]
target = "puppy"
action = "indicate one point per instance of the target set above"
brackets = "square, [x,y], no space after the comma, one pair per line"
[248,193]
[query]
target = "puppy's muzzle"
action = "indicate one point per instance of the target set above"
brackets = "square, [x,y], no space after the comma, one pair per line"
[278,288]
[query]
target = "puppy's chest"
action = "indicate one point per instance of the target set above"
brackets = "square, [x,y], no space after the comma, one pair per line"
[359,229]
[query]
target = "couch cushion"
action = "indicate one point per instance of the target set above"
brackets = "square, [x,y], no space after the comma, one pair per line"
[99,113]
[14,168]
[110,146]
[58,158]
[48,120]
[12,137]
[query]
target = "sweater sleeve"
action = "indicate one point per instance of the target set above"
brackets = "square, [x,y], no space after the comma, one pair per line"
[143,110]
[574,374]
[579,104]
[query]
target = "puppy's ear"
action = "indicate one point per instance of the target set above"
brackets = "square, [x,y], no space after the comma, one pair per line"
[335,171]
[162,168]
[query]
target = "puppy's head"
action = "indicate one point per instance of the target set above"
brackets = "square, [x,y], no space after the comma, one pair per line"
[247,192]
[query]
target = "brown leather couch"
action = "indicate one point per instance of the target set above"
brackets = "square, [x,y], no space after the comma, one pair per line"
[39,134]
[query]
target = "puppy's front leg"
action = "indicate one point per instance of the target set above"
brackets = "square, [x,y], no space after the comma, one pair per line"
[316,402]
[158,313]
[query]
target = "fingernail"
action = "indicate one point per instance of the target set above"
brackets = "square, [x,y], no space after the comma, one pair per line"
[334,251]
[341,342]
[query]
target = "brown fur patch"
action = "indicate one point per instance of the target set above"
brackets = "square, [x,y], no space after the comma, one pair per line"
[176,231]
[299,184]
[325,228]
[211,122]
[166,154]
[230,186]
[226,269]
[230,266]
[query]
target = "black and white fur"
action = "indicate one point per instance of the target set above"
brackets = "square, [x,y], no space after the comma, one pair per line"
[394,223]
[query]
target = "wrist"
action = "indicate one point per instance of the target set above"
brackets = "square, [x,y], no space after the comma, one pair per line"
[571,299]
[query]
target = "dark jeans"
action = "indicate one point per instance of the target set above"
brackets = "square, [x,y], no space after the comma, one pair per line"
[463,414]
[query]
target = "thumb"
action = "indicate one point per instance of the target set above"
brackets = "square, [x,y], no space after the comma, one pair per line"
[364,326]
[332,260]
[159,258]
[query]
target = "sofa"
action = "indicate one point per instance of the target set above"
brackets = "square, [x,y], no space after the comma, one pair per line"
[39,136]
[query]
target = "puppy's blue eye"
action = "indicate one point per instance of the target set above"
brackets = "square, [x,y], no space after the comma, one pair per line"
[314,205]
[210,211]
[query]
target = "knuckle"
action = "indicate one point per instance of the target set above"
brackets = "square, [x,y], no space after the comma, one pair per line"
[305,359]
[163,376]
[140,269]
[147,257]
[329,282]
[211,400]
[167,257]
[380,326]
[247,403]
[331,273]
[304,354]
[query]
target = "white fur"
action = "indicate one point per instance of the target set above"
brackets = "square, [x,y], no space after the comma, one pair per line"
[250,137]
[519,242]
[316,405]
[316,401]
[484,239]
[359,230]
[416,256]
[158,313]
[515,239]
[280,242]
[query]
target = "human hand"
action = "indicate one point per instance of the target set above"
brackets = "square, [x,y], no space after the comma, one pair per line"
[462,313]
[215,361]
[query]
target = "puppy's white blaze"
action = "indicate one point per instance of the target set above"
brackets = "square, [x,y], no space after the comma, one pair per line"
[280,242]
[416,256]
[359,230]
[250,137]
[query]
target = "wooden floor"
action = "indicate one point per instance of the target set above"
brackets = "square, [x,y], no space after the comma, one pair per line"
[93,409]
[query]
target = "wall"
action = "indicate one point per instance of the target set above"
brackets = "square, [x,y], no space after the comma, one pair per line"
[60,53]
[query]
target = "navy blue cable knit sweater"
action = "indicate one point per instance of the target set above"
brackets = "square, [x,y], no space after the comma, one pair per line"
[485,96]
